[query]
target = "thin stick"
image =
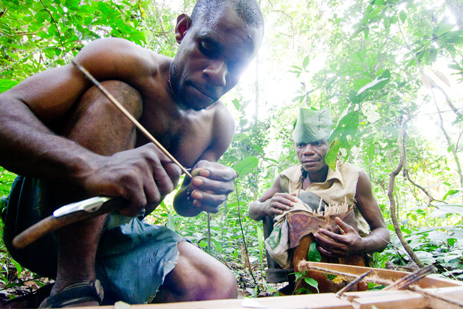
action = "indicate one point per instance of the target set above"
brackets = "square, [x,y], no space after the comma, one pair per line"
[347,287]
[404,282]
[131,118]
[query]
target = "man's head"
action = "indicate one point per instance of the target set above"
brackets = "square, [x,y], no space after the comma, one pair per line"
[217,44]
[313,129]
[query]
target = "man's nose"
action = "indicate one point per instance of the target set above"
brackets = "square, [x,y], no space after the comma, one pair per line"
[217,71]
[308,150]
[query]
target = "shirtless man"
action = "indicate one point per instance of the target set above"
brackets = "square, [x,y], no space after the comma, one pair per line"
[68,143]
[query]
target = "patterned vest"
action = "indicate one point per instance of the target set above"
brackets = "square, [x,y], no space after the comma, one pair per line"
[340,186]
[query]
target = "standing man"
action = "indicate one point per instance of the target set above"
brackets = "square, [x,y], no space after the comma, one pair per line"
[68,143]
[347,184]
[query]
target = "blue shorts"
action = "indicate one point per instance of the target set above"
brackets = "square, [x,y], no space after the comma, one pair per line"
[132,259]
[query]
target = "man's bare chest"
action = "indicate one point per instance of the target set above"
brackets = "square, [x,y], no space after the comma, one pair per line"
[185,135]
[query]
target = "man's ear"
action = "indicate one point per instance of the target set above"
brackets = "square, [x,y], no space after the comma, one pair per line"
[183,24]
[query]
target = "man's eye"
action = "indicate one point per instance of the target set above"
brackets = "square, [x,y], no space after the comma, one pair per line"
[207,49]
[301,145]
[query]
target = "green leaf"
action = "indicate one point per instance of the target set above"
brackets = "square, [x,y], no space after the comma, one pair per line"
[332,154]
[245,166]
[450,193]
[236,104]
[313,255]
[443,210]
[312,282]
[6,84]
[240,137]
[170,222]
[260,239]
[378,83]
[18,267]
[218,245]
[403,16]
[359,83]
[346,128]
[305,62]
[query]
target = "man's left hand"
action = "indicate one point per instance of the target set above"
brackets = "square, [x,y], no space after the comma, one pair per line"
[339,245]
[211,184]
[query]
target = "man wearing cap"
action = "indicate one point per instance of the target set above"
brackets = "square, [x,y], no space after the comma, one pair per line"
[347,184]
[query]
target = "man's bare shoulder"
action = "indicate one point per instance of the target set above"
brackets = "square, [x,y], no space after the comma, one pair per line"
[222,116]
[120,58]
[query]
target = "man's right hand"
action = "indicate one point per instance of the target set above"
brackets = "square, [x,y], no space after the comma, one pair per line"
[143,175]
[279,203]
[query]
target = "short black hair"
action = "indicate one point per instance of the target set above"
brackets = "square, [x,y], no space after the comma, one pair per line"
[248,10]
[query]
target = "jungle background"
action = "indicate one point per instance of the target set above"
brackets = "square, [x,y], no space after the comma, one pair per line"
[391,71]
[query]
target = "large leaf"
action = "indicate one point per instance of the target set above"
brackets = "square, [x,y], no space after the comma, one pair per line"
[442,210]
[312,282]
[378,83]
[346,128]
[313,255]
[246,165]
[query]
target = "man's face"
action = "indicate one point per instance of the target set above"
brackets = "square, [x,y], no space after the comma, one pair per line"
[211,58]
[312,155]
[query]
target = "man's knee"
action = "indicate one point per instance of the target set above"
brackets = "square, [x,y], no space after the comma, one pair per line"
[218,281]
[225,284]
[96,116]
[198,276]
[128,96]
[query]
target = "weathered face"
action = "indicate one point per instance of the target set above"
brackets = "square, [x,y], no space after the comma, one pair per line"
[211,57]
[312,155]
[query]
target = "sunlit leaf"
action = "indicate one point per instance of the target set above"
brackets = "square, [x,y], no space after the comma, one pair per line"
[403,16]
[378,83]
[246,165]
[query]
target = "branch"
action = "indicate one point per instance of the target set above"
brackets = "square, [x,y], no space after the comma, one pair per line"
[20,34]
[430,197]
[447,99]
[53,20]
[33,53]
[390,193]
[242,234]
[163,32]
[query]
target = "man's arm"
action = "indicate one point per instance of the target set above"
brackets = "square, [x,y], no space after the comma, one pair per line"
[350,242]
[212,182]
[273,202]
[30,109]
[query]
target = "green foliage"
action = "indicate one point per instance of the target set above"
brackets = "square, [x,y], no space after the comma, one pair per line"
[381,61]
[313,255]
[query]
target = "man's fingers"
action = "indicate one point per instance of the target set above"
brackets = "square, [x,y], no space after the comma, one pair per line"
[344,226]
[206,184]
[221,174]
[205,199]
[330,235]
[324,252]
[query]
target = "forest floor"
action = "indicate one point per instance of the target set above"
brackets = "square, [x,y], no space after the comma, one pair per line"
[17,282]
